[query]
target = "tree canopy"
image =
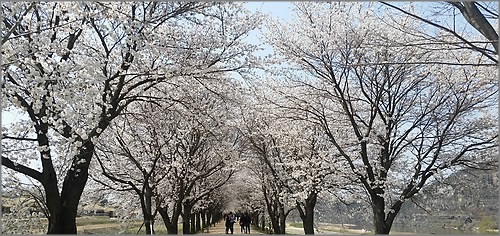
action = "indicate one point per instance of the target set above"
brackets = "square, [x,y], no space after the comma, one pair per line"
[167,106]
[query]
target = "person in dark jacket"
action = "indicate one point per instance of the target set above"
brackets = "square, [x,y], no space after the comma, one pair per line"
[242,223]
[230,219]
[246,223]
[226,218]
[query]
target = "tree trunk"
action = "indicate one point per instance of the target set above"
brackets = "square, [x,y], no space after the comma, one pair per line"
[170,224]
[186,216]
[308,221]
[282,220]
[275,222]
[198,222]
[149,224]
[275,225]
[63,208]
[210,218]
[307,212]
[282,224]
[263,225]
[278,218]
[193,223]
[146,200]
[255,219]
[273,211]
[63,221]
[378,207]
[204,218]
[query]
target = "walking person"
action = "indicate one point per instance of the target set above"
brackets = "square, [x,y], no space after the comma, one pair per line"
[228,222]
[246,223]
[242,223]
[230,219]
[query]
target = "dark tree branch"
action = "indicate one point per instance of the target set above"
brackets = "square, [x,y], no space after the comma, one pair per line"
[475,18]
[475,48]
[22,169]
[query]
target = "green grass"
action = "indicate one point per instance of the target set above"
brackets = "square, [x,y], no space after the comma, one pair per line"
[108,230]
[487,224]
[114,226]
[94,220]
[159,229]
[297,224]
[134,227]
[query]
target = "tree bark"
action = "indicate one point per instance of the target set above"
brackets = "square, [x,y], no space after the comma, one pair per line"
[170,223]
[278,218]
[186,217]
[204,218]
[193,223]
[475,18]
[198,222]
[147,209]
[275,210]
[282,220]
[378,207]
[210,218]
[63,208]
[62,221]
[263,225]
[307,213]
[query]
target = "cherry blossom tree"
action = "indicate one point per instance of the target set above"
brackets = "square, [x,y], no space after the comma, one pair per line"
[291,178]
[216,202]
[181,148]
[295,154]
[397,114]
[74,67]
[141,148]
[258,149]
[24,205]
[248,196]
[204,153]
[275,205]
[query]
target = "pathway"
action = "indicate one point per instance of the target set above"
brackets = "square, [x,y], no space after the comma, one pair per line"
[220,228]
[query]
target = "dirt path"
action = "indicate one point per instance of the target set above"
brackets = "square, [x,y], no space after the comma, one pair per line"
[220,228]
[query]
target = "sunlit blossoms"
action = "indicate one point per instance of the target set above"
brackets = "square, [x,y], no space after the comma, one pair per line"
[166,108]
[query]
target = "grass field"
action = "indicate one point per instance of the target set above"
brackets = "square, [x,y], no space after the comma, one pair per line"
[106,225]
[89,225]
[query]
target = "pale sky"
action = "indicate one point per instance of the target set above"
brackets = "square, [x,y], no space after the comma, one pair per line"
[276,9]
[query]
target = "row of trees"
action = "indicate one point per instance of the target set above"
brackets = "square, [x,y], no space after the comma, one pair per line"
[173,155]
[394,114]
[147,99]
[76,67]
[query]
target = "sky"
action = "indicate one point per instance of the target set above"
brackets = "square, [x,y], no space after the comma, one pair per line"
[280,10]
[276,9]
